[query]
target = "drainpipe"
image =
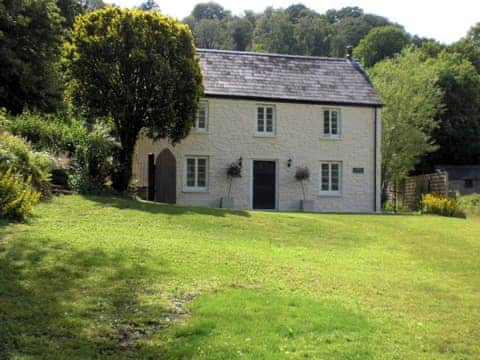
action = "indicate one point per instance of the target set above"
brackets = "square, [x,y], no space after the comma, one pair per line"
[375,160]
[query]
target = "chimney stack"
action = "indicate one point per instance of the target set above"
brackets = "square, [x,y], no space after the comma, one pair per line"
[349,52]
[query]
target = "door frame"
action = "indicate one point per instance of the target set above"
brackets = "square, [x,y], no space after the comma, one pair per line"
[274,160]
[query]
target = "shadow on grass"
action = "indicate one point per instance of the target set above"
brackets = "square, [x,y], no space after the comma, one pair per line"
[161,208]
[262,324]
[56,302]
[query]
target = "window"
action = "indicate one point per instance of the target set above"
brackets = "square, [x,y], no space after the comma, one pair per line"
[201,120]
[196,178]
[468,183]
[331,123]
[265,120]
[330,177]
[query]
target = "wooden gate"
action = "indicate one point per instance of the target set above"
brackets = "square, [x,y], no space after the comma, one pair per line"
[166,177]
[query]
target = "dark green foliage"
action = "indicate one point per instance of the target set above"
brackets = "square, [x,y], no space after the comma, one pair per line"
[274,32]
[210,10]
[16,195]
[381,43]
[47,132]
[34,167]
[30,40]
[91,165]
[140,69]
[458,132]
[69,9]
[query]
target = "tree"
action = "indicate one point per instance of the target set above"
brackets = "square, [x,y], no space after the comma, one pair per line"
[30,40]
[241,30]
[211,11]
[140,69]
[349,30]
[274,33]
[212,34]
[312,36]
[380,43]
[69,9]
[412,100]
[458,131]
[149,5]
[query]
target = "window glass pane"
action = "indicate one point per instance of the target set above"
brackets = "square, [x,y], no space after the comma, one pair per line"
[325,176]
[202,173]
[335,177]
[191,172]
[334,123]
[326,122]
[260,119]
[201,116]
[269,125]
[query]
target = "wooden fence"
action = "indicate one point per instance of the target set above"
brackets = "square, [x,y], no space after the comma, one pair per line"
[410,191]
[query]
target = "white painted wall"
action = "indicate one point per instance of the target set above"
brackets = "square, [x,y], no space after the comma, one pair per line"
[299,136]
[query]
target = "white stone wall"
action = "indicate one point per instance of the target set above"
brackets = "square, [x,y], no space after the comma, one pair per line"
[299,136]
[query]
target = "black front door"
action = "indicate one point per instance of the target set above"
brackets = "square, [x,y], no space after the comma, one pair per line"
[264,184]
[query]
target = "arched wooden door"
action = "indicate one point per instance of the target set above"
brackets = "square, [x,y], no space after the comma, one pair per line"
[166,177]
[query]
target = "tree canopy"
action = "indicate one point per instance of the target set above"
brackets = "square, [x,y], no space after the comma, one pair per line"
[30,39]
[140,69]
[412,100]
[381,43]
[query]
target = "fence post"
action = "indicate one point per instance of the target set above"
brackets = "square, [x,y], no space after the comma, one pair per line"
[151,177]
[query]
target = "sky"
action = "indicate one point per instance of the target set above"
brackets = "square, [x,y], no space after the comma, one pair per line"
[446,21]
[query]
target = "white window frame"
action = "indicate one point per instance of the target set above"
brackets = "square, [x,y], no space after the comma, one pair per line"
[274,120]
[329,135]
[195,188]
[197,118]
[331,192]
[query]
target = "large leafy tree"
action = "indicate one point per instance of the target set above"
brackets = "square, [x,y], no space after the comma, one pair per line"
[380,43]
[458,132]
[140,69]
[69,9]
[274,32]
[30,41]
[412,99]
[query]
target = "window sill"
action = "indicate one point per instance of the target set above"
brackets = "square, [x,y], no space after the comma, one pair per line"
[265,135]
[326,137]
[202,132]
[192,190]
[330,194]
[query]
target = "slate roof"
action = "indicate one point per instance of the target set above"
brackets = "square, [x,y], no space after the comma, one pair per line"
[285,78]
[461,172]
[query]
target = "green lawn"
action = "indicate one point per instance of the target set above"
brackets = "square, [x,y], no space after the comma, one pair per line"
[115,278]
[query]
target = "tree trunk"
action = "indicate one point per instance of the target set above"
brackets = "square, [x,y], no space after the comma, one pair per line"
[122,173]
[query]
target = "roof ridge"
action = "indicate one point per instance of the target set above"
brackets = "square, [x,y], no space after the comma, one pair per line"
[323,58]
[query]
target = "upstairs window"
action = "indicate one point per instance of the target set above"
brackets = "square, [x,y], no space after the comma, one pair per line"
[265,120]
[201,120]
[330,177]
[331,123]
[196,178]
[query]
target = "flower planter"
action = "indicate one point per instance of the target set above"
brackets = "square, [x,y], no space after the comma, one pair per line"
[306,205]
[226,202]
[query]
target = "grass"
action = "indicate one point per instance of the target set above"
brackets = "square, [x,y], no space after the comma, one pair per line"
[115,278]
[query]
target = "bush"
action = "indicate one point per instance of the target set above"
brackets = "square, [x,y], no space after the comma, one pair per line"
[91,165]
[440,205]
[46,132]
[16,154]
[16,195]
[470,200]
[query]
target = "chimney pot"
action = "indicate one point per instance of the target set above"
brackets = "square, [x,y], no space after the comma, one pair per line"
[349,52]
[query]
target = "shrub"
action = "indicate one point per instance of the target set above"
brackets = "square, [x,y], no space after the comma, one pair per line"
[16,195]
[234,171]
[470,200]
[91,165]
[302,174]
[16,153]
[440,205]
[46,132]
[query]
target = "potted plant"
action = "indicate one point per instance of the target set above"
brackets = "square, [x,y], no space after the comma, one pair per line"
[303,174]
[233,171]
